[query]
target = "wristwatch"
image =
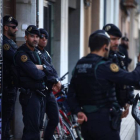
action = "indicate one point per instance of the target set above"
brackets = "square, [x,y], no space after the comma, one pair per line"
[44,66]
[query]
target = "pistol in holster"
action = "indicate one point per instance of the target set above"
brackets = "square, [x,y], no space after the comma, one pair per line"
[115,118]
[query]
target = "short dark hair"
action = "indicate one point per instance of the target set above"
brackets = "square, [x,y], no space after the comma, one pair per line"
[97,41]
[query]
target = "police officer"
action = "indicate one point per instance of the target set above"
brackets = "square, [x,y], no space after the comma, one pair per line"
[32,75]
[123,91]
[123,48]
[9,90]
[51,105]
[92,94]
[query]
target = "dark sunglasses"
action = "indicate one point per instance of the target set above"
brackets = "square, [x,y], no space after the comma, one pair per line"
[13,27]
[42,36]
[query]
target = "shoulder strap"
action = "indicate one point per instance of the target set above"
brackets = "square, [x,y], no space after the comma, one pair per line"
[47,53]
[96,66]
[99,63]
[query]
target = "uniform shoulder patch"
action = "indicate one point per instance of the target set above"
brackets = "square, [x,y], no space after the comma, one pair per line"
[24,58]
[114,67]
[6,47]
[48,53]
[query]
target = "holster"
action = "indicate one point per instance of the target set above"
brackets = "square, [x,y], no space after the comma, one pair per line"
[115,118]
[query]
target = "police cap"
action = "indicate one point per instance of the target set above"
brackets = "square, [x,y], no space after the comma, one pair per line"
[125,39]
[43,31]
[32,29]
[9,20]
[112,29]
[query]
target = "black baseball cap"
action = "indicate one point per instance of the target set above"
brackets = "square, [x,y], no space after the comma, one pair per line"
[9,20]
[112,29]
[43,31]
[32,29]
[125,39]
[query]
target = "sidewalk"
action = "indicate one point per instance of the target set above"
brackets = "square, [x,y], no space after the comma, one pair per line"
[128,128]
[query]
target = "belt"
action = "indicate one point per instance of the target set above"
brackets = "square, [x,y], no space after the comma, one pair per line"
[27,91]
[91,108]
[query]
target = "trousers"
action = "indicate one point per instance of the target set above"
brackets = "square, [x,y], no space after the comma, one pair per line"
[98,126]
[32,104]
[52,114]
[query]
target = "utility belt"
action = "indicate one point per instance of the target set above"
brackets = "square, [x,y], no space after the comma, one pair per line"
[41,92]
[114,112]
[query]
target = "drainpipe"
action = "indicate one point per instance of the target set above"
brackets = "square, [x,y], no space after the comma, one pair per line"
[37,13]
[1,58]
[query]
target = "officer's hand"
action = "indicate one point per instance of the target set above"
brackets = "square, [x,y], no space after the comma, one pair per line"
[126,112]
[81,117]
[56,87]
[40,67]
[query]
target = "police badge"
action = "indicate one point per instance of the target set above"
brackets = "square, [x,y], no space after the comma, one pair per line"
[30,29]
[10,18]
[108,28]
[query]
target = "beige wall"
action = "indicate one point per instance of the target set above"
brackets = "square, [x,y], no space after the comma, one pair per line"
[95,15]
[87,28]
[91,22]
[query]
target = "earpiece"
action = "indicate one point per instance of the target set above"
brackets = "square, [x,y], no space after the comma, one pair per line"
[106,49]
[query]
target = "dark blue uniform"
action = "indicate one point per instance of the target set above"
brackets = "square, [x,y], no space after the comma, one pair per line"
[123,92]
[32,83]
[9,90]
[51,108]
[92,90]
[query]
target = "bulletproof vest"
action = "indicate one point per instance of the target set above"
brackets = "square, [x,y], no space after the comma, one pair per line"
[8,63]
[24,80]
[89,91]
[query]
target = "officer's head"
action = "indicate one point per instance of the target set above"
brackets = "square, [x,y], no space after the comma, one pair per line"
[9,26]
[43,38]
[32,34]
[99,41]
[115,35]
[124,40]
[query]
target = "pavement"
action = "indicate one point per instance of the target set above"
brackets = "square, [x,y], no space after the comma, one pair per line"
[128,128]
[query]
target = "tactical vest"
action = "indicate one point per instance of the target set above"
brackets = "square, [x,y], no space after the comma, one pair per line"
[88,89]
[24,80]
